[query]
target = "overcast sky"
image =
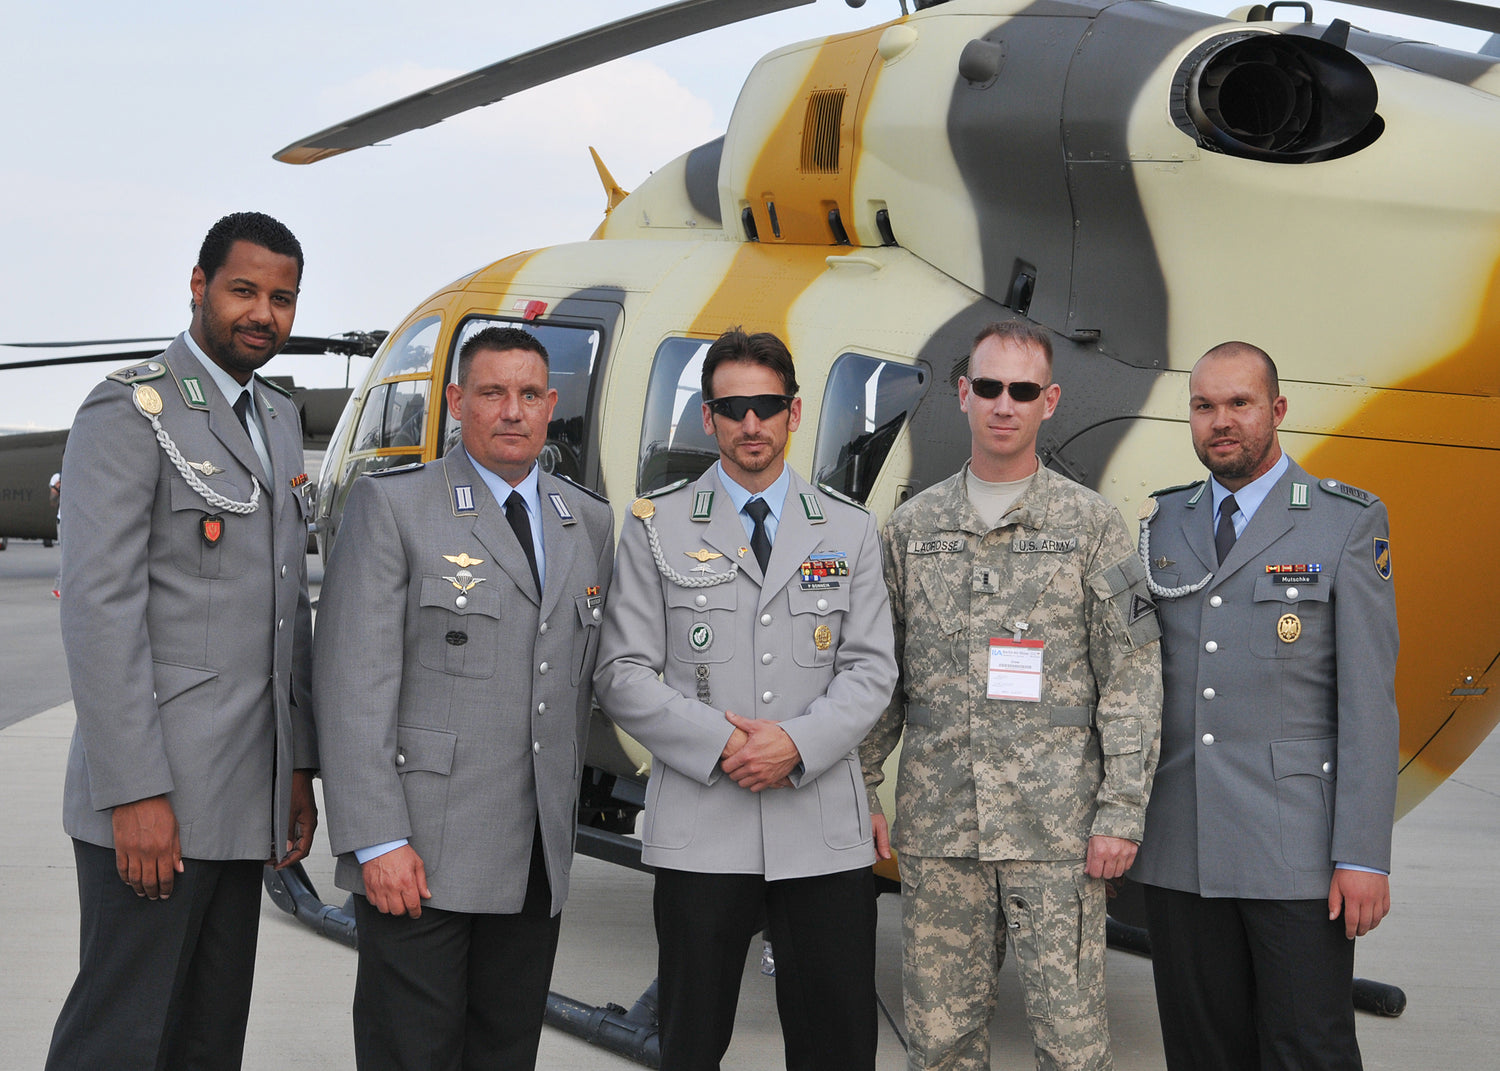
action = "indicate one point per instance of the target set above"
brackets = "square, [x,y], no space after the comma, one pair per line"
[130,128]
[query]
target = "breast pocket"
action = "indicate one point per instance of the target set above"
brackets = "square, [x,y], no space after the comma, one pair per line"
[700,623]
[216,552]
[586,640]
[461,640]
[817,621]
[1290,620]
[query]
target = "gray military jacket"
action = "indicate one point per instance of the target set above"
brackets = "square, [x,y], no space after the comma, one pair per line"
[456,706]
[190,661]
[1280,732]
[808,645]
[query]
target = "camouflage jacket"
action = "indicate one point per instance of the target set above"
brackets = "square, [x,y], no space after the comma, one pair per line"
[1001,779]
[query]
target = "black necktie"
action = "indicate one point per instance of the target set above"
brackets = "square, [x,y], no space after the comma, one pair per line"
[242,410]
[1224,536]
[520,523]
[760,539]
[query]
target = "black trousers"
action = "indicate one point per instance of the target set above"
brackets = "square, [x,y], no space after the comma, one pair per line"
[163,985]
[823,935]
[1251,985]
[453,991]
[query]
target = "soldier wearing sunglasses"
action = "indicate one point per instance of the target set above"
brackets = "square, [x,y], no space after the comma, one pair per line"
[1029,699]
[747,644]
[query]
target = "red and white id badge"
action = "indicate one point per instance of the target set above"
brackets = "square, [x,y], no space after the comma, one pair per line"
[1016,670]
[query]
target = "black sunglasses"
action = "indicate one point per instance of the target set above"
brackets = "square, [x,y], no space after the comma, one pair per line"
[992,388]
[764,406]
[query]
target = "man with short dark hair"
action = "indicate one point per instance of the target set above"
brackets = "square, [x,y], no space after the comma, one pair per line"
[457,631]
[1268,838]
[1029,704]
[188,634]
[747,644]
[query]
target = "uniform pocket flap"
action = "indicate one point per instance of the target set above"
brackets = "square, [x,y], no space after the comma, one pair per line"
[1120,736]
[424,749]
[171,680]
[479,599]
[590,609]
[715,597]
[1120,576]
[1073,717]
[1317,756]
[818,601]
[1267,589]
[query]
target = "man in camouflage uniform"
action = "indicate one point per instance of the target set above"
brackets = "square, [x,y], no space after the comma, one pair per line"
[1030,696]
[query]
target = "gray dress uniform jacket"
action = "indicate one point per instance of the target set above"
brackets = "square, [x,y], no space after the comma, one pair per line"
[1280,732]
[457,706]
[815,656]
[190,662]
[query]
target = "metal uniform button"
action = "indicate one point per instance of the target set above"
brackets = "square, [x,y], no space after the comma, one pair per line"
[1291,593]
[400,759]
[541,708]
[1209,693]
[1328,767]
[765,697]
[461,601]
[279,623]
[542,668]
[1208,739]
[701,600]
[1216,601]
[597,614]
[536,747]
[765,619]
[822,604]
[1210,646]
[765,659]
[542,628]
[283,572]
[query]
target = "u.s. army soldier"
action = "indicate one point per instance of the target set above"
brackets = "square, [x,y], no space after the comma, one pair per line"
[1030,700]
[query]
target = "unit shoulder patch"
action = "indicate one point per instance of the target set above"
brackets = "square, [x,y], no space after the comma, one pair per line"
[831,493]
[587,490]
[383,473]
[139,373]
[271,384]
[1347,491]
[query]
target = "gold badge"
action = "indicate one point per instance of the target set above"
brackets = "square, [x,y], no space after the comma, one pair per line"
[147,398]
[822,637]
[1147,510]
[643,508]
[702,554]
[1289,628]
[463,561]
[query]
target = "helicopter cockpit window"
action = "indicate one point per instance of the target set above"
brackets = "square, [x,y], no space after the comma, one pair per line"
[571,352]
[412,352]
[673,443]
[393,417]
[865,405]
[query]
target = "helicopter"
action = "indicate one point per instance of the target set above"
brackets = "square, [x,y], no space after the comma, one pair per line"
[1144,181]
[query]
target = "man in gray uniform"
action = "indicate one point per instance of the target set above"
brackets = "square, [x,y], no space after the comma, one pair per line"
[188,634]
[1272,811]
[1030,698]
[748,646]
[457,630]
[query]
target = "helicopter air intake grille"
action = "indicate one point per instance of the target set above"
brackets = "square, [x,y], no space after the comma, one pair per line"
[820,131]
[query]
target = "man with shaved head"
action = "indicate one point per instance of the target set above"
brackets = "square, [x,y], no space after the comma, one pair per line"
[1268,834]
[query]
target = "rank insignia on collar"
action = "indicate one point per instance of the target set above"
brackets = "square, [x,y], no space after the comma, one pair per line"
[463,561]
[703,505]
[212,527]
[1299,496]
[812,508]
[192,390]
[702,555]
[463,498]
[1382,558]
[563,513]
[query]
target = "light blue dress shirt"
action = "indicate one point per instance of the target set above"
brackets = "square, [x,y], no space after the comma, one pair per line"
[775,497]
[232,391]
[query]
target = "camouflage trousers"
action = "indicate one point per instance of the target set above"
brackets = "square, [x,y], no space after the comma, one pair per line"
[955,915]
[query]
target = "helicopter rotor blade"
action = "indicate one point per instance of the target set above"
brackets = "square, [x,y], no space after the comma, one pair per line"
[537,67]
[1453,12]
[350,344]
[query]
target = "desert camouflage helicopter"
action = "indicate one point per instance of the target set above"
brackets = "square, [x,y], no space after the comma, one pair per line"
[1143,181]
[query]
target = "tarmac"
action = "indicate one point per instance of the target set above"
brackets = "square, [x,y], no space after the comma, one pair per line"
[1440,943]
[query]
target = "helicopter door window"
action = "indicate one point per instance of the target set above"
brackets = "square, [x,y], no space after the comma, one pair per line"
[571,353]
[865,405]
[673,443]
[412,352]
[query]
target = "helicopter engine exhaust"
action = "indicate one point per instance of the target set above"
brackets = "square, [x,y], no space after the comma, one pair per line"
[1277,98]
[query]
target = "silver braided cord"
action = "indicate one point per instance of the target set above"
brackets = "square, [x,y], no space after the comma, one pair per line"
[1155,588]
[212,497]
[712,580]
